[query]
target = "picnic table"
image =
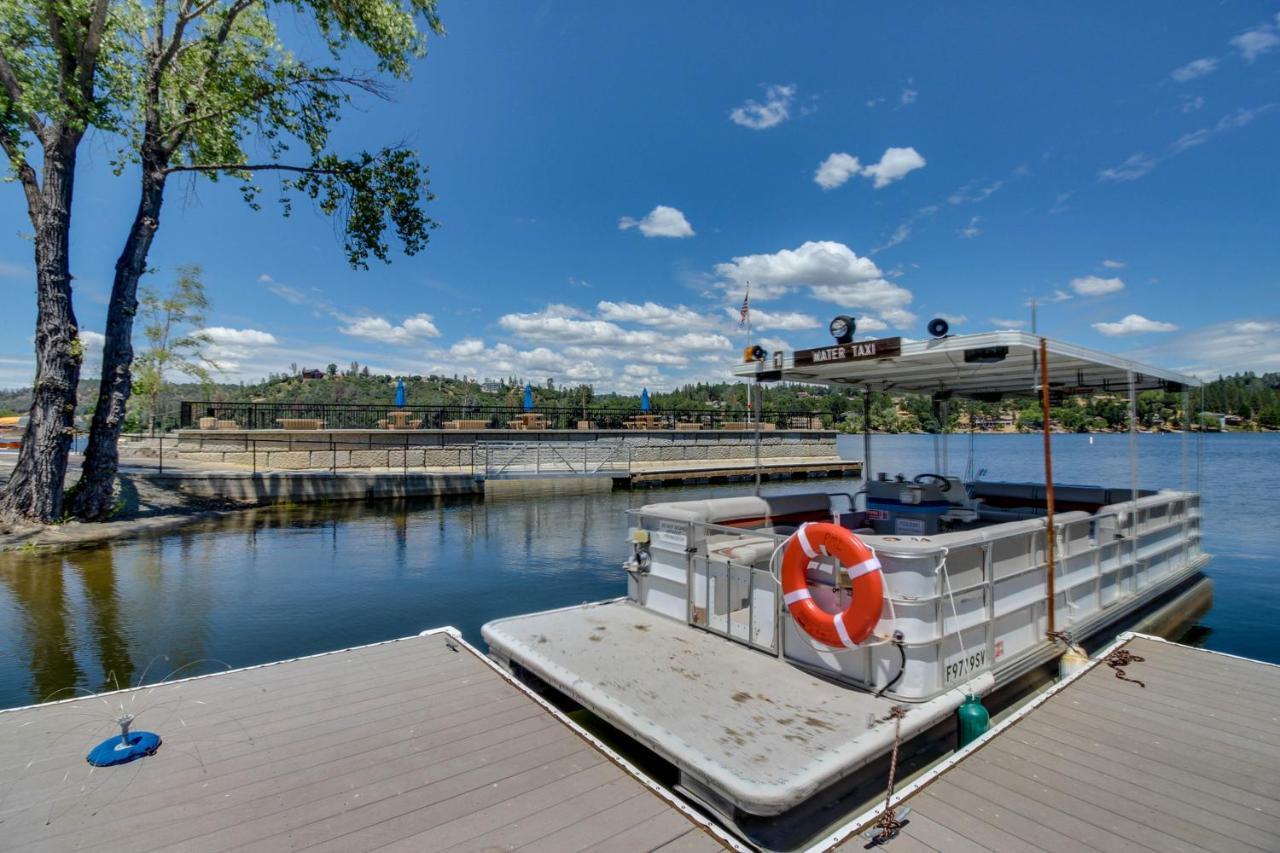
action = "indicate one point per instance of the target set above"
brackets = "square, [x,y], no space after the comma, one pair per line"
[644,422]
[400,419]
[529,420]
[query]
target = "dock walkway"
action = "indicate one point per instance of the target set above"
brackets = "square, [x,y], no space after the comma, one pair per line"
[413,744]
[1191,761]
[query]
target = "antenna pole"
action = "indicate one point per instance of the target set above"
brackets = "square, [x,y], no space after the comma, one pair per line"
[1050,536]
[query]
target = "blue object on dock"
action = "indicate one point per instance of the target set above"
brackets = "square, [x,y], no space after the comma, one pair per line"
[122,749]
[528,397]
[644,400]
[400,392]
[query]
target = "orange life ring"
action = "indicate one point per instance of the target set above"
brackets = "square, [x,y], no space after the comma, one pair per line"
[805,548]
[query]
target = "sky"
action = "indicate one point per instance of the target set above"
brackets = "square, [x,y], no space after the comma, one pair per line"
[609,177]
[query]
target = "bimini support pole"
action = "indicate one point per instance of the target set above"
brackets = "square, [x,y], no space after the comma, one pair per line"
[1050,535]
[866,435]
[757,391]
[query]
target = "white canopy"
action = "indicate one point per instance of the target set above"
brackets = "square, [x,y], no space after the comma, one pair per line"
[982,365]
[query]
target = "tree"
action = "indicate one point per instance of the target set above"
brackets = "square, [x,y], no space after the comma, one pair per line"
[171,324]
[208,81]
[50,53]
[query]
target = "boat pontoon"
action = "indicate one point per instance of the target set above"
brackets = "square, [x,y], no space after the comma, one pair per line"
[706,663]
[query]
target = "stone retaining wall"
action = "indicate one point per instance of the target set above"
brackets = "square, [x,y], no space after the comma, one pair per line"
[274,450]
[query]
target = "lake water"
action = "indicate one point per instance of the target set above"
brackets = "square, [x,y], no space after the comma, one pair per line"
[276,584]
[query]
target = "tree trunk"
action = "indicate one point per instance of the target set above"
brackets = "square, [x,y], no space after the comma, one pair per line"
[34,490]
[94,494]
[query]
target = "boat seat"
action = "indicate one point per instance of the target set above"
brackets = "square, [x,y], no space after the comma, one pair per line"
[741,550]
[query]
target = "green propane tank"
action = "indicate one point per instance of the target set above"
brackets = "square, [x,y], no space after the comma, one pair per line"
[974,720]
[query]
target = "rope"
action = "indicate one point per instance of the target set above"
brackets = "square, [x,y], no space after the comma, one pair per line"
[888,822]
[1122,658]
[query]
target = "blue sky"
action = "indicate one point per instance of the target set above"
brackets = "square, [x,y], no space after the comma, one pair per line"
[610,175]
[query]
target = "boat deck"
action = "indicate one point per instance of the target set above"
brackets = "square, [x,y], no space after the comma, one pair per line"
[767,735]
[414,744]
[1191,761]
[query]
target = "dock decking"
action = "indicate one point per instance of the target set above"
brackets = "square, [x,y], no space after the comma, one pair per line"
[1191,761]
[413,744]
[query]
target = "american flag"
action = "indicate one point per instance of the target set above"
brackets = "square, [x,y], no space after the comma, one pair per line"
[745,311]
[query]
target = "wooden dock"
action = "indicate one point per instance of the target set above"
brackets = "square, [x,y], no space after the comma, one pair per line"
[413,744]
[1191,761]
[737,470]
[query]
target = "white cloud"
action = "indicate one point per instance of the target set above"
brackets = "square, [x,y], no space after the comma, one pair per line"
[1003,323]
[968,195]
[908,96]
[1256,42]
[1190,103]
[553,327]
[239,337]
[954,319]
[467,347]
[1133,324]
[895,164]
[822,262]
[836,169]
[971,230]
[1092,285]
[92,341]
[1222,348]
[899,235]
[1139,165]
[412,330]
[1193,69]
[775,109]
[1114,265]
[1134,167]
[787,321]
[1255,327]
[662,221]
[265,279]
[653,314]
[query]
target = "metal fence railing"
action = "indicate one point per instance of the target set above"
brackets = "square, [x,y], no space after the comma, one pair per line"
[514,459]
[258,416]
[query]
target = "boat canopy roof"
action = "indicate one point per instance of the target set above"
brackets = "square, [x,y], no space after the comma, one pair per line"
[981,366]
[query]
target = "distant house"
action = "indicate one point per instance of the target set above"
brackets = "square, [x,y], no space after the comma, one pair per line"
[312,373]
[491,387]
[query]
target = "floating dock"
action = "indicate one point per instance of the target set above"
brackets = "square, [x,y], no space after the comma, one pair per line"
[740,471]
[1175,749]
[413,744]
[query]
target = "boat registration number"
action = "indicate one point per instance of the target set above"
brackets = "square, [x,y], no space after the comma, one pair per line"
[963,665]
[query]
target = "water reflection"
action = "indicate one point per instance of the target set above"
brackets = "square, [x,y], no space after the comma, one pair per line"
[39,591]
[96,571]
[276,584]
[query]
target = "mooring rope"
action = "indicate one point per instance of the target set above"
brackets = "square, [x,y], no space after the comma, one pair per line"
[888,822]
[1121,658]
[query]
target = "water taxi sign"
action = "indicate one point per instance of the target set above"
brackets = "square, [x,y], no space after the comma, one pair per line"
[856,351]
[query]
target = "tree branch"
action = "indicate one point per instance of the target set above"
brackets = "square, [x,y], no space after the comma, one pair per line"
[87,61]
[246,167]
[9,80]
[26,174]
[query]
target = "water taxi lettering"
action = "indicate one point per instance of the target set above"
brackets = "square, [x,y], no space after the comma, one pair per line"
[882,348]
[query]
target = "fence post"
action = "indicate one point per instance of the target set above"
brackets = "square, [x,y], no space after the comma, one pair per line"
[253,449]
[162,449]
[404,459]
[333,457]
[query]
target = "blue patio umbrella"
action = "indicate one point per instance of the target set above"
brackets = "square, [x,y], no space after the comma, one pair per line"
[528,397]
[644,400]
[400,392]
